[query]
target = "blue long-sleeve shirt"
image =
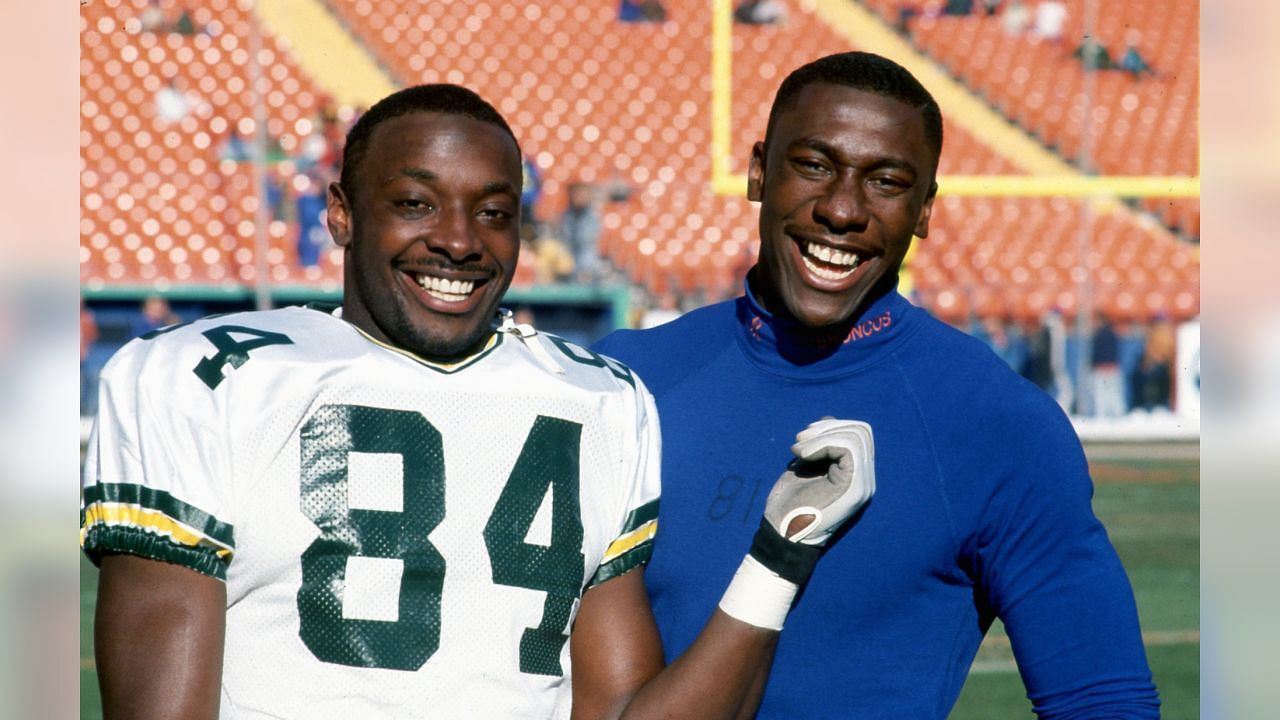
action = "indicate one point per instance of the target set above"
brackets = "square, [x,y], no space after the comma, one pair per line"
[982,510]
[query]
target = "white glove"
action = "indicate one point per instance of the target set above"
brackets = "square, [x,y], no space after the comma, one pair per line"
[832,477]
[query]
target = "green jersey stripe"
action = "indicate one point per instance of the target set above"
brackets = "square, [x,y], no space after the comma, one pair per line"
[633,558]
[106,539]
[161,501]
[640,516]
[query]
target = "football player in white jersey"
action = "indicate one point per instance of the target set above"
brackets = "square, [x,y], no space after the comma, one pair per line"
[411,506]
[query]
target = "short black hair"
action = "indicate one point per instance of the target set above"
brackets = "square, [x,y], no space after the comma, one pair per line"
[867,72]
[439,97]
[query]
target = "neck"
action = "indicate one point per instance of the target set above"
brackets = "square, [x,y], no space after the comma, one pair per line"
[822,337]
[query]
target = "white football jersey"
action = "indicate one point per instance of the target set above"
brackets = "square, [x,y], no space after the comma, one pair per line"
[398,538]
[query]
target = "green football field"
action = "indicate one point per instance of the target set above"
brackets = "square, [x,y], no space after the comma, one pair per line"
[1150,503]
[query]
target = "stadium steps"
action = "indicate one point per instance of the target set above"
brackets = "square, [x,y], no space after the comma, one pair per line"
[1018,244]
[865,30]
[1141,126]
[325,49]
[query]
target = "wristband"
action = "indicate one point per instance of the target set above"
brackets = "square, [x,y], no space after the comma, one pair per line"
[792,561]
[757,596]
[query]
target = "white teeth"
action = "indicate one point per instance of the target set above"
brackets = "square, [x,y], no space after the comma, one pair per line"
[447,290]
[830,257]
[834,257]
[825,273]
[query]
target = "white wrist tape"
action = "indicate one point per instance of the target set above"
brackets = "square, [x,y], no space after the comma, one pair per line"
[757,596]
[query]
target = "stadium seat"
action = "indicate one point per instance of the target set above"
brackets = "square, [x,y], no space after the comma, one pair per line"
[593,100]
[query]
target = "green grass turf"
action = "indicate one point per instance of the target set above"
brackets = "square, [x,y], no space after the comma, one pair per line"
[1151,510]
[90,703]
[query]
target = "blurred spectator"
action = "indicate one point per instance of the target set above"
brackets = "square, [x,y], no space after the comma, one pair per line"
[1051,18]
[1063,387]
[171,103]
[1132,338]
[664,310]
[313,149]
[151,18]
[1016,18]
[1153,379]
[155,314]
[617,189]
[958,7]
[277,208]
[313,236]
[236,148]
[760,12]
[906,13]
[334,132]
[991,7]
[1093,55]
[580,228]
[1132,61]
[1037,365]
[526,266]
[184,25]
[88,375]
[1107,384]
[524,316]
[530,191]
[1004,341]
[641,11]
[553,261]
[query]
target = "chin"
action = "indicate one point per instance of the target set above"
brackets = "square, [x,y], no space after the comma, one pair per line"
[448,346]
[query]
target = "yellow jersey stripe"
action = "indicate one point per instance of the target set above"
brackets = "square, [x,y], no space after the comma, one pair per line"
[642,534]
[140,517]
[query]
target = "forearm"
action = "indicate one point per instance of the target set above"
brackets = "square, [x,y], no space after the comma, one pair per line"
[158,640]
[722,675]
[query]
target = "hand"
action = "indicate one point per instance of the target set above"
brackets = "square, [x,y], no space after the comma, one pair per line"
[832,476]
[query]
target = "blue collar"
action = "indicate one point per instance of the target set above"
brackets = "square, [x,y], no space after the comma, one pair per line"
[785,347]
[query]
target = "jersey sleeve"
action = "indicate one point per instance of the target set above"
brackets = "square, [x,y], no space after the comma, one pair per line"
[156,477]
[634,544]
[1049,571]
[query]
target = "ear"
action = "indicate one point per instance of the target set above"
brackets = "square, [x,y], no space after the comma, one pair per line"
[755,173]
[338,215]
[926,212]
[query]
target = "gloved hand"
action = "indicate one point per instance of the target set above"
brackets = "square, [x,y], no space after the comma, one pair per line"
[831,478]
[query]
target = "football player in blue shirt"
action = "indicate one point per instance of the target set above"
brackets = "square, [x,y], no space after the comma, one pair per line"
[983,502]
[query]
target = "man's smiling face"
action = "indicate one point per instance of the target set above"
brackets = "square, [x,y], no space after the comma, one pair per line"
[431,236]
[846,179]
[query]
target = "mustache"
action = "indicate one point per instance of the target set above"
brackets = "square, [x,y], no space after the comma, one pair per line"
[443,264]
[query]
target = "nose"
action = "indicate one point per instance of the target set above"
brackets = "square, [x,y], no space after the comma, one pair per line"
[454,235]
[842,208]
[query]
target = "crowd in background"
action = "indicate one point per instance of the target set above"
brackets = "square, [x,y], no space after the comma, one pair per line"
[1130,362]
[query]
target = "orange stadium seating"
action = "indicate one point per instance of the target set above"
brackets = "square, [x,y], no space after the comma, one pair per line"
[598,101]
[1139,126]
[157,204]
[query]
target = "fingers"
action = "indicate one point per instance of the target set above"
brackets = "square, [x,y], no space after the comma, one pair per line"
[834,441]
[821,449]
[826,424]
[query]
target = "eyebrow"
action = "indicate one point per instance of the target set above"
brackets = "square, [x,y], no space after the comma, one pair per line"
[419,174]
[499,186]
[829,151]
